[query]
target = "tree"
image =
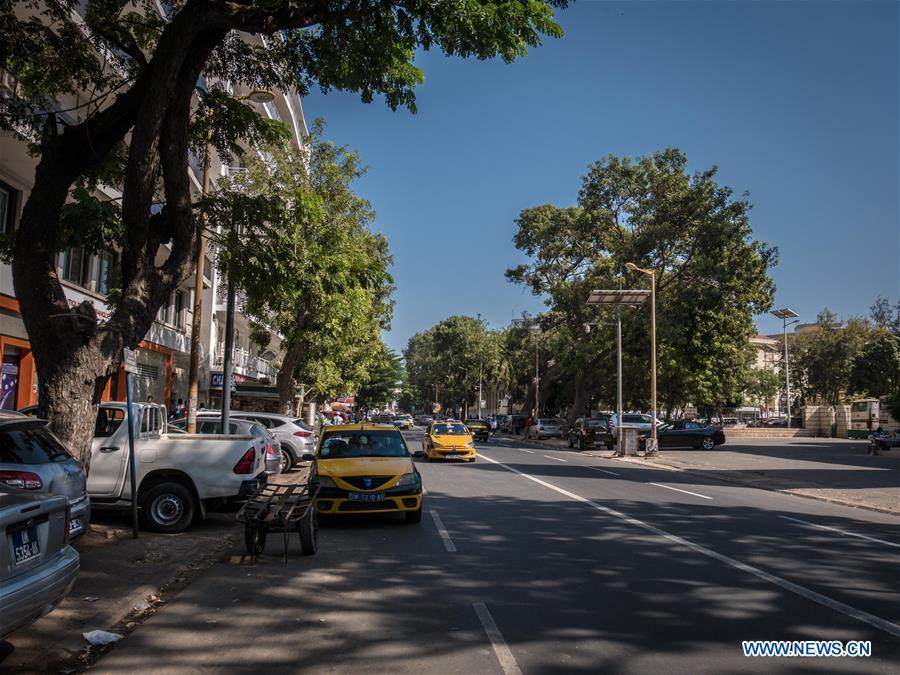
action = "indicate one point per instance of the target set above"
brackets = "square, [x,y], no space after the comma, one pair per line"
[711,278]
[385,378]
[885,316]
[875,370]
[822,359]
[762,385]
[314,271]
[447,359]
[141,69]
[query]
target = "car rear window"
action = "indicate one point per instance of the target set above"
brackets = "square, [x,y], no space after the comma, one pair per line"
[31,446]
[635,419]
[597,423]
[548,421]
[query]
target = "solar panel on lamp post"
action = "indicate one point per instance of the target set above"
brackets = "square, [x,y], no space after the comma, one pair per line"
[629,298]
[784,314]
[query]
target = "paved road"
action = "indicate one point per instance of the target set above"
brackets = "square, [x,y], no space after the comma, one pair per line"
[538,561]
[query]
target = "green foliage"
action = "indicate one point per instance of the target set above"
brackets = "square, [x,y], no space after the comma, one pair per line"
[884,315]
[385,378]
[450,356]
[711,275]
[822,359]
[762,385]
[876,367]
[306,260]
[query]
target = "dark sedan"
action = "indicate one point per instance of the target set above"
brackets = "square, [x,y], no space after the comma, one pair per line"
[685,434]
[589,432]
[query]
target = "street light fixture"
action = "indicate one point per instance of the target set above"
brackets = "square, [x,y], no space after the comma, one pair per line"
[629,298]
[784,314]
[653,445]
[255,96]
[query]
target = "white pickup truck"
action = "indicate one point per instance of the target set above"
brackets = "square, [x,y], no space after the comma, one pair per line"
[177,474]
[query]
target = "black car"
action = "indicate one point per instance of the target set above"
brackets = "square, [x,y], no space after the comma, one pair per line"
[686,434]
[589,432]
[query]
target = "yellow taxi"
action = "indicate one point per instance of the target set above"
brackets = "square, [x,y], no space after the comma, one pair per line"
[448,440]
[367,468]
[478,428]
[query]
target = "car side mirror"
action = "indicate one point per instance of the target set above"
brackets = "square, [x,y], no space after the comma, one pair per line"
[419,454]
[307,457]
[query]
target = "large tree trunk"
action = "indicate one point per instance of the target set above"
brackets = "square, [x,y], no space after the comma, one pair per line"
[293,357]
[579,399]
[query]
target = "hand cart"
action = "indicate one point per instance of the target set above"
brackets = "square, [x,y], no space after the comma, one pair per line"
[281,508]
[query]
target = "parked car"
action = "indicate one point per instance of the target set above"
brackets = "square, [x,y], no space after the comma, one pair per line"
[686,434]
[640,421]
[211,423]
[294,435]
[589,432]
[178,476]
[37,564]
[33,459]
[545,427]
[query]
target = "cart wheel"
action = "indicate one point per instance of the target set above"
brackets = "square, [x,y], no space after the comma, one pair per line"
[255,539]
[308,528]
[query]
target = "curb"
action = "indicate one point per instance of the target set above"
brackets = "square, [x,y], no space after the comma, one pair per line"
[733,481]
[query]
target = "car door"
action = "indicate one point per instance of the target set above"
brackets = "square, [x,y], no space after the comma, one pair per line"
[109,453]
[694,433]
[672,436]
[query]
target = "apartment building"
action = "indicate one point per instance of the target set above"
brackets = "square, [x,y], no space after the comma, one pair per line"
[163,355]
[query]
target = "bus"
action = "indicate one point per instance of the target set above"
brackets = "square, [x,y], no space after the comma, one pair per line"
[867,414]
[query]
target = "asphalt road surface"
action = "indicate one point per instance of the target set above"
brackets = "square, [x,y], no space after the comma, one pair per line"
[540,561]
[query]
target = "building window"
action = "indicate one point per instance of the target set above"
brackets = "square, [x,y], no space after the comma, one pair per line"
[8,201]
[75,264]
[178,319]
[105,262]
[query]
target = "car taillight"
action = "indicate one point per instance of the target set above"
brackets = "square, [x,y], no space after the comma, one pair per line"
[541,428]
[24,480]
[270,452]
[302,433]
[247,462]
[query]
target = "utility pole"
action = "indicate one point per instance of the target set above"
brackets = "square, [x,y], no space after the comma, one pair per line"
[537,379]
[653,445]
[479,389]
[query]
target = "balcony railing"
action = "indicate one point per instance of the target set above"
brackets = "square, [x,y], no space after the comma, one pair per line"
[246,363]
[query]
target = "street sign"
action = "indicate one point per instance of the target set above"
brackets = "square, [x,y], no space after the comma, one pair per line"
[130,360]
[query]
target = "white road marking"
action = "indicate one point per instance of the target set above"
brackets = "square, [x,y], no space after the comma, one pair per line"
[556,458]
[504,656]
[530,452]
[669,487]
[802,591]
[849,534]
[445,536]
[594,468]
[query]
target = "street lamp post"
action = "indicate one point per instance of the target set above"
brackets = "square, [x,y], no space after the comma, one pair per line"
[256,96]
[653,445]
[629,298]
[784,314]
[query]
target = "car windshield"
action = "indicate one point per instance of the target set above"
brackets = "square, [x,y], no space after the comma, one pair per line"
[31,446]
[449,430]
[344,444]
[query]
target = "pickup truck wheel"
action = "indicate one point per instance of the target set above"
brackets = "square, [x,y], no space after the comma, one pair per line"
[309,532]
[168,508]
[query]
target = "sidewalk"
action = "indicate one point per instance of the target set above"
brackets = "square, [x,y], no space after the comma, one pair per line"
[118,575]
[828,469]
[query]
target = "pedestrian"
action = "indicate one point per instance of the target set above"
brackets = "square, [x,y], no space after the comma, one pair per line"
[494,424]
[180,410]
[150,400]
[873,440]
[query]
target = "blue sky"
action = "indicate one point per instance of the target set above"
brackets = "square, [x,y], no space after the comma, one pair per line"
[797,103]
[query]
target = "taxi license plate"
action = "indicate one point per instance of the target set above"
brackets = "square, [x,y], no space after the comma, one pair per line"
[25,545]
[454,456]
[365,496]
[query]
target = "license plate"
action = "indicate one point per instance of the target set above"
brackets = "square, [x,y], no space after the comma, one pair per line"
[25,545]
[74,525]
[454,456]
[365,496]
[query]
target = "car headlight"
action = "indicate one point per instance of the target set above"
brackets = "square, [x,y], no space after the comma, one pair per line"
[325,481]
[408,479]
[470,444]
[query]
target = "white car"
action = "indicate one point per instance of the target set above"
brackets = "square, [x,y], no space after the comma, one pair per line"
[178,475]
[545,427]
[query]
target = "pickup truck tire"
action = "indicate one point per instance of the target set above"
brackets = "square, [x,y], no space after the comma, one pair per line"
[167,507]
[308,527]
